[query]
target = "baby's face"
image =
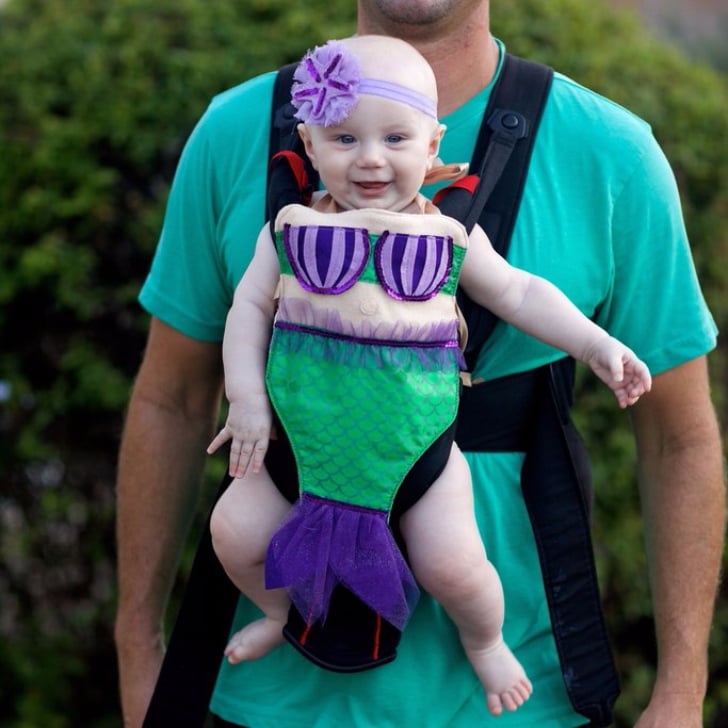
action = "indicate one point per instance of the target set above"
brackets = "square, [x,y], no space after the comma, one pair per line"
[377,157]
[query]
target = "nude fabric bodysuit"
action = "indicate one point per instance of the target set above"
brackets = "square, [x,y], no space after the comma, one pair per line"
[363,373]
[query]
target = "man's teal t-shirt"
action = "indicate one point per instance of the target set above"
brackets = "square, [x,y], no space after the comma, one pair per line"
[600,217]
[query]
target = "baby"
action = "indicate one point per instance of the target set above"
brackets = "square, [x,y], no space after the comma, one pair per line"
[363,372]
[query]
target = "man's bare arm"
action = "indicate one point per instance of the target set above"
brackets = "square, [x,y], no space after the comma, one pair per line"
[683,501]
[171,417]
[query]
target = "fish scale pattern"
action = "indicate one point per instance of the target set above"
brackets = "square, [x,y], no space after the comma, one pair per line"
[357,418]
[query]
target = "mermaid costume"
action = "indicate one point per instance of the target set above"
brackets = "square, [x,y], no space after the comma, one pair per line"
[363,373]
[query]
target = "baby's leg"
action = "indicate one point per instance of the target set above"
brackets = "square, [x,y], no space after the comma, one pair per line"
[448,558]
[242,524]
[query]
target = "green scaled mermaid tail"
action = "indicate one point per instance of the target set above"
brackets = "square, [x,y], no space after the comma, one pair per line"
[358,416]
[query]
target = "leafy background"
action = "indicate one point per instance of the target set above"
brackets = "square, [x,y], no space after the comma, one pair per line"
[96,101]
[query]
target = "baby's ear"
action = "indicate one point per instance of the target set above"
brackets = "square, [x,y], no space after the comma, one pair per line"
[437,135]
[305,135]
[434,147]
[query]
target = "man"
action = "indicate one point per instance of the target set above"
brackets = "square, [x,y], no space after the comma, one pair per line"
[600,218]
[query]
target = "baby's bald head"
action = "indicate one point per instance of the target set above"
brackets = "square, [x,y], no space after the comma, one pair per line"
[331,78]
[390,59]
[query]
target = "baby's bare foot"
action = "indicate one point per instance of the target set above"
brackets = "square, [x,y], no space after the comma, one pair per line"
[254,640]
[502,676]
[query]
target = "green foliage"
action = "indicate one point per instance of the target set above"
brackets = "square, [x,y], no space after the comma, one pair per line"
[96,101]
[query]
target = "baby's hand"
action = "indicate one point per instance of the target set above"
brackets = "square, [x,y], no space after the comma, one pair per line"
[248,425]
[620,369]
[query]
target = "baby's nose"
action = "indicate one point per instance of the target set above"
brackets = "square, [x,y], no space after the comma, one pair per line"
[370,155]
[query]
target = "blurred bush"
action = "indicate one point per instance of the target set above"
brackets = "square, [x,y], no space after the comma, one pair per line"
[96,101]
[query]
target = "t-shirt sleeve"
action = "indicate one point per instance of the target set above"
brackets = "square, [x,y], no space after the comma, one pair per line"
[215,210]
[185,286]
[655,306]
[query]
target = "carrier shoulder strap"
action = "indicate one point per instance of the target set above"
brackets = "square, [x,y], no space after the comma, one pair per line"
[291,177]
[501,158]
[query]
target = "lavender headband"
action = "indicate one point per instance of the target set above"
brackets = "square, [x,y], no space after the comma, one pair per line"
[327,84]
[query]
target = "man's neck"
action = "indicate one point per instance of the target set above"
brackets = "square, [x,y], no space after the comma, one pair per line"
[460,50]
[463,74]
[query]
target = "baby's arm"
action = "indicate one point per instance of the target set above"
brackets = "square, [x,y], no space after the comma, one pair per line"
[540,309]
[244,350]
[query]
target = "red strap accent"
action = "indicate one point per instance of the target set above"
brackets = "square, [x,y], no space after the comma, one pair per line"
[297,166]
[304,634]
[377,636]
[468,183]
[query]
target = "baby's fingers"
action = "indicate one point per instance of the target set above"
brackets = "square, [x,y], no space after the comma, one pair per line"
[635,385]
[258,458]
[240,452]
[220,439]
[644,376]
[637,377]
[247,454]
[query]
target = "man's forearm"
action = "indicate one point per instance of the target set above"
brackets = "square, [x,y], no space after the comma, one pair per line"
[172,415]
[160,464]
[683,499]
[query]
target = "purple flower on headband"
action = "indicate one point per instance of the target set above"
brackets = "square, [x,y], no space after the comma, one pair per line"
[325,85]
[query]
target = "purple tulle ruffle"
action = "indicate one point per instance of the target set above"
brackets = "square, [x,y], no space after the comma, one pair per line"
[323,543]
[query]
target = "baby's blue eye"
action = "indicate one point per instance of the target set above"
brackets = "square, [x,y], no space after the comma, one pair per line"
[394,138]
[346,139]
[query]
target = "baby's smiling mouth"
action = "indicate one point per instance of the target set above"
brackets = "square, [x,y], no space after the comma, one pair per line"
[372,186]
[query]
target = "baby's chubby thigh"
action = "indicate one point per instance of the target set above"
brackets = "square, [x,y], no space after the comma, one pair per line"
[245,518]
[443,541]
